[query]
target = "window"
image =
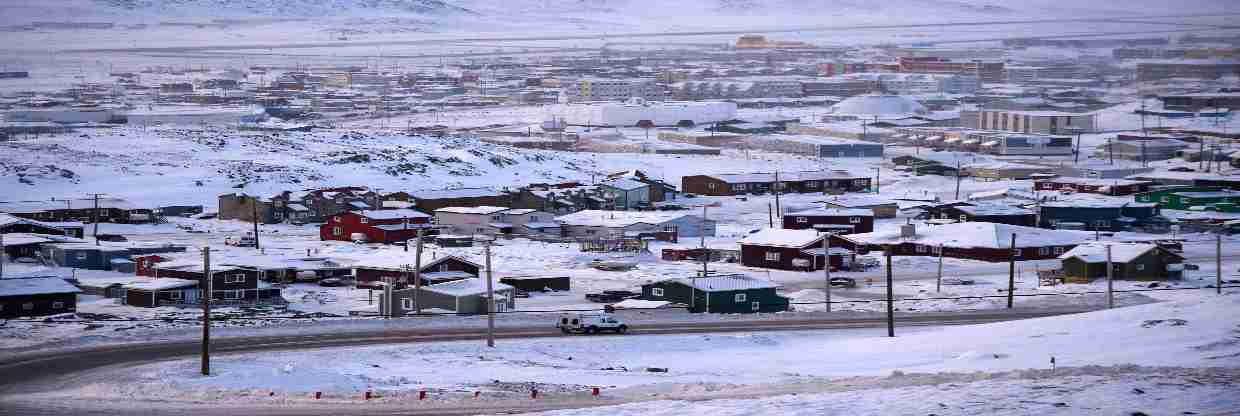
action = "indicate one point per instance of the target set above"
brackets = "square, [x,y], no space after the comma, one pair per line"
[494,218]
[854,220]
[1140,267]
[27,306]
[802,219]
[781,185]
[710,185]
[755,306]
[279,215]
[533,219]
[921,248]
[657,292]
[337,231]
[812,184]
[740,298]
[335,219]
[233,294]
[590,232]
[1166,199]
[964,218]
[61,305]
[772,256]
[364,220]
[861,182]
[1016,252]
[1058,250]
[234,278]
[81,255]
[406,304]
[481,230]
[175,295]
[738,187]
[1042,251]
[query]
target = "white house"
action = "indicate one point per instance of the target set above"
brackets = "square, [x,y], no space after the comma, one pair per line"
[495,220]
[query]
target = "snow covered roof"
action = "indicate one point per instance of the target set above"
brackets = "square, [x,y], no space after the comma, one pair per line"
[9,219]
[1097,252]
[392,214]
[162,283]
[617,219]
[993,209]
[763,177]
[725,283]
[834,212]
[977,235]
[456,193]
[859,200]
[36,286]
[778,237]
[466,287]
[879,105]
[624,184]
[482,210]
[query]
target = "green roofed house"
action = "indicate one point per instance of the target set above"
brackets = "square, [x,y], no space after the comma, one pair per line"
[718,294]
[1132,261]
[1187,197]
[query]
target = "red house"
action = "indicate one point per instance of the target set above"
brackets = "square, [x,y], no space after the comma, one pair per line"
[837,220]
[385,226]
[799,250]
[145,265]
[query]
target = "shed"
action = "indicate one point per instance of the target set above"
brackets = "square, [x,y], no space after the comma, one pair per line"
[1132,261]
[719,294]
[36,296]
[537,283]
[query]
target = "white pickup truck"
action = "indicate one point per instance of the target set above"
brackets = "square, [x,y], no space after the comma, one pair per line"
[590,323]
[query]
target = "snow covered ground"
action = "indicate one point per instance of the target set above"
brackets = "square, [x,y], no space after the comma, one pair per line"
[1180,353]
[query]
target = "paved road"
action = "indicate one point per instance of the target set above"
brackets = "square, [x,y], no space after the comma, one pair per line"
[37,372]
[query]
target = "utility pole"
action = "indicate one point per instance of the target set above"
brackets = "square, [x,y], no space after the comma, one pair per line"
[891,309]
[778,208]
[95,218]
[1011,272]
[938,284]
[206,311]
[1201,154]
[417,273]
[254,205]
[1218,263]
[405,232]
[490,298]
[957,179]
[770,215]
[878,178]
[705,253]
[1110,151]
[1110,279]
[826,268]
[1,255]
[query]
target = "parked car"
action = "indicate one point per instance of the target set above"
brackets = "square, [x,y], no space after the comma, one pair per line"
[331,282]
[611,296]
[1182,169]
[115,238]
[590,323]
[956,281]
[1191,266]
[843,282]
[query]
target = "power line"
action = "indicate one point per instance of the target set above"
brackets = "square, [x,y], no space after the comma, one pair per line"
[216,318]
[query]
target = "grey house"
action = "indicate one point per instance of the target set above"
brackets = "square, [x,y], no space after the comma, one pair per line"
[625,193]
[84,256]
[467,296]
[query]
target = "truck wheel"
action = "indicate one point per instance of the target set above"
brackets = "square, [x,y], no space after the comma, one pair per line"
[592,330]
[563,330]
[622,329]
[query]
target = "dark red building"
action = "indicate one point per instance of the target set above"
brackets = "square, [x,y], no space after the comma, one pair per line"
[836,220]
[800,250]
[1113,187]
[385,226]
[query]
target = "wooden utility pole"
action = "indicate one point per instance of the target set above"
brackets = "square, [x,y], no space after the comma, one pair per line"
[957,180]
[878,179]
[891,307]
[770,215]
[1218,263]
[778,208]
[1011,272]
[95,218]
[206,311]
[1,255]
[417,273]
[490,298]
[254,205]
[1110,279]
[826,268]
[938,283]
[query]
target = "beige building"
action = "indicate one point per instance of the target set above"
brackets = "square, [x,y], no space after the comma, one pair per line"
[1044,122]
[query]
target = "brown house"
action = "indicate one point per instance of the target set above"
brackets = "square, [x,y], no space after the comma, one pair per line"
[438,270]
[800,250]
[229,284]
[829,181]
[837,220]
[429,201]
[1131,261]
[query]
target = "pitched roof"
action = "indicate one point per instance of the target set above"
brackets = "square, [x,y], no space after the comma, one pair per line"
[834,212]
[36,286]
[762,177]
[616,219]
[162,283]
[977,235]
[1120,252]
[456,193]
[724,283]
[392,214]
[482,210]
[466,287]
[778,237]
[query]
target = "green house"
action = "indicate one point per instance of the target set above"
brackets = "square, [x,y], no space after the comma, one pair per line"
[1132,261]
[719,294]
[1185,197]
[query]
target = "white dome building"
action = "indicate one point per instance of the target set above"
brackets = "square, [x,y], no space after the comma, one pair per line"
[884,106]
